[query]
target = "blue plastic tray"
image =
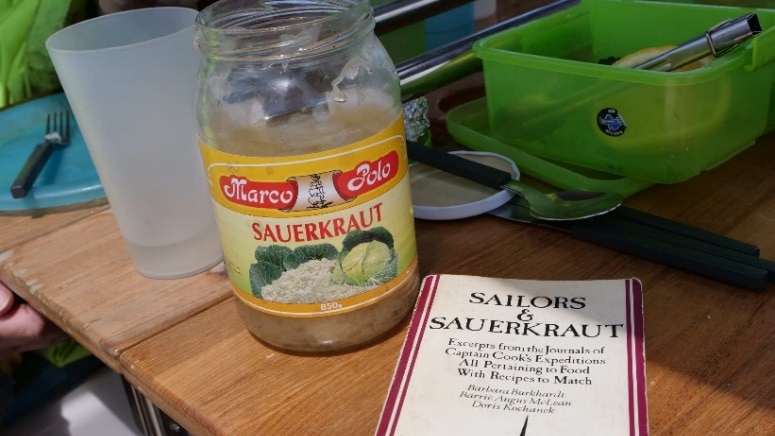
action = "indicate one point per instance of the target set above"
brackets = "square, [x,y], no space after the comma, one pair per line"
[69,176]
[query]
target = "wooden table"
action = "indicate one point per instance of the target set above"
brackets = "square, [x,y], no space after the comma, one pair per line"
[710,346]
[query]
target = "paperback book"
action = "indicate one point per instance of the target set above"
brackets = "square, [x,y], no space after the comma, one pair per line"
[497,356]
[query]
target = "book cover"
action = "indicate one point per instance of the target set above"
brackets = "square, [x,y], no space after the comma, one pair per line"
[521,357]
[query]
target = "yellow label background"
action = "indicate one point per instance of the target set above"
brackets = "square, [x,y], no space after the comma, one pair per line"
[235,222]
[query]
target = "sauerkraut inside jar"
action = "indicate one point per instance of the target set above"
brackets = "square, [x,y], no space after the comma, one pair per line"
[302,138]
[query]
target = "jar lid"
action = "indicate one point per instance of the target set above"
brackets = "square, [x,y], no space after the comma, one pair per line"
[438,195]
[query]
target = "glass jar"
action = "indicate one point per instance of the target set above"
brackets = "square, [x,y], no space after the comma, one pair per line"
[302,136]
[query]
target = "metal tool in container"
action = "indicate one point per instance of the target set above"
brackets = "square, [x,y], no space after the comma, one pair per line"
[716,41]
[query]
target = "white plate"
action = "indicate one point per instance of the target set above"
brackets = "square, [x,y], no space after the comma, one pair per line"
[438,195]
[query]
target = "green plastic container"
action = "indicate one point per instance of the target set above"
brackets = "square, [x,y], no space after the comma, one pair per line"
[468,123]
[738,3]
[549,94]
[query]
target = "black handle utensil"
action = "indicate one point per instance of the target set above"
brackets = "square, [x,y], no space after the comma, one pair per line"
[57,134]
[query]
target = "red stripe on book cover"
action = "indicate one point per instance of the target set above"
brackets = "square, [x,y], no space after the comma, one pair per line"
[637,359]
[394,403]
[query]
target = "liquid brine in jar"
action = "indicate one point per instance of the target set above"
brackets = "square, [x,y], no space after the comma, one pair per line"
[302,138]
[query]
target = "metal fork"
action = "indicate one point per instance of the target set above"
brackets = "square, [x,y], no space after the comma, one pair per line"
[57,133]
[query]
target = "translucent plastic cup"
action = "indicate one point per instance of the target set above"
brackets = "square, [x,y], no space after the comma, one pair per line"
[130,78]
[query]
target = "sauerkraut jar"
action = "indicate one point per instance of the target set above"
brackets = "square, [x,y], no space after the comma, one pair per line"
[302,137]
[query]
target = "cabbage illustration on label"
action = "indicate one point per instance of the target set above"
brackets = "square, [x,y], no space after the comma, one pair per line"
[367,259]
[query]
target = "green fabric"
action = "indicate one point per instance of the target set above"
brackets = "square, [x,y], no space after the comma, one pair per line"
[16,17]
[25,68]
[64,353]
[26,71]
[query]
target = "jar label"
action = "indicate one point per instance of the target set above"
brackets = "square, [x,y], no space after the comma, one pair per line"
[317,234]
